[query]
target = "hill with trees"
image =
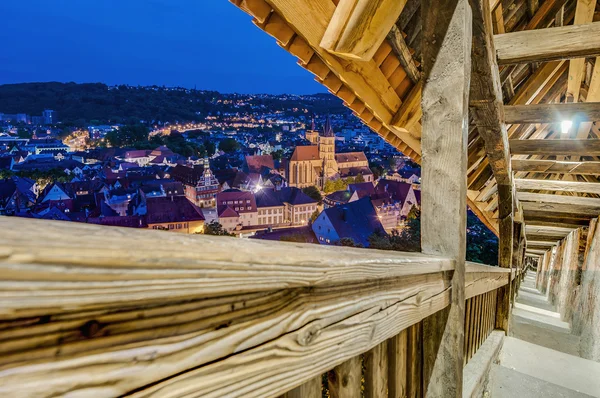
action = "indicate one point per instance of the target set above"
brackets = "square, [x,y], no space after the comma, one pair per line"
[97,103]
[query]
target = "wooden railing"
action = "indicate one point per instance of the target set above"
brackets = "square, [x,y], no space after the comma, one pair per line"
[99,311]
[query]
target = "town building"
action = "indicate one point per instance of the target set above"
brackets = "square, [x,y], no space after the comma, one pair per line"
[201,185]
[356,220]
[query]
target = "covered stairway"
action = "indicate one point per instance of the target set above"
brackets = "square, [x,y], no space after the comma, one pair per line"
[540,358]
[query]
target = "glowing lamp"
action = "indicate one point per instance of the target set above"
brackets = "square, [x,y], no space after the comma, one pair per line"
[566,126]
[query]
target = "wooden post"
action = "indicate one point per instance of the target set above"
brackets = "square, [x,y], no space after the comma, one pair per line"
[310,389]
[447,36]
[344,380]
[397,360]
[376,371]
[505,252]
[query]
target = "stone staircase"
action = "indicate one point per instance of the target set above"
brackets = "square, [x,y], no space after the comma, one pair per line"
[541,358]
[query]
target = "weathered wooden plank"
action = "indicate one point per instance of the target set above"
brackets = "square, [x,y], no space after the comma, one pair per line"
[376,371]
[446,73]
[397,365]
[414,361]
[552,113]
[404,55]
[587,209]
[560,186]
[485,98]
[214,351]
[358,27]
[505,249]
[345,379]
[584,14]
[575,201]
[310,389]
[66,273]
[556,166]
[572,41]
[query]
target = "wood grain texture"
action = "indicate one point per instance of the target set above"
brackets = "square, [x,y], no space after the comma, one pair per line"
[573,41]
[584,209]
[446,74]
[397,365]
[310,389]
[214,348]
[404,55]
[552,113]
[560,186]
[51,276]
[556,166]
[584,14]
[345,379]
[485,98]
[358,27]
[376,371]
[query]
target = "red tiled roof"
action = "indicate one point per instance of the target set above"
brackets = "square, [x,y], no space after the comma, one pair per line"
[256,162]
[350,157]
[307,152]
[171,209]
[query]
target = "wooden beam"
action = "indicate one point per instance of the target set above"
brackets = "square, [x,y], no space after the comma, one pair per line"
[544,222]
[584,14]
[558,199]
[540,244]
[532,7]
[552,113]
[401,49]
[446,72]
[536,84]
[560,186]
[485,98]
[573,41]
[365,79]
[589,210]
[556,166]
[593,95]
[545,238]
[565,147]
[358,27]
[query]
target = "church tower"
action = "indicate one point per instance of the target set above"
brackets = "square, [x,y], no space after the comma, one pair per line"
[327,150]
[312,135]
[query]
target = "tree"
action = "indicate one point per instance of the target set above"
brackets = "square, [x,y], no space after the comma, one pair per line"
[210,147]
[314,216]
[359,178]
[298,238]
[314,193]
[278,154]
[23,133]
[482,244]
[349,242]
[340,184]
[229,145]
[215,228]
[128,135]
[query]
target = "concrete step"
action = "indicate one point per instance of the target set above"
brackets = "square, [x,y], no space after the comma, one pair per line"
[567,371]
[508,383]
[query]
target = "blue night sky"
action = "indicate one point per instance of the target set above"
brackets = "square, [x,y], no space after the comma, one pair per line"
[208,43]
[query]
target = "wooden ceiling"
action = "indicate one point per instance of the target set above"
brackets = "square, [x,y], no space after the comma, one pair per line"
[547,58]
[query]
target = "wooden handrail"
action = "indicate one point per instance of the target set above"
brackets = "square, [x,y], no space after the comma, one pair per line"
[114,311]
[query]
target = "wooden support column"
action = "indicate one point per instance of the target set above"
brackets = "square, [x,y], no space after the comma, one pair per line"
[447,36]
[517,249]
[505,252]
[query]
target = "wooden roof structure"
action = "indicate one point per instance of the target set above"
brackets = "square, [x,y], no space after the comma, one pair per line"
[545,71]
